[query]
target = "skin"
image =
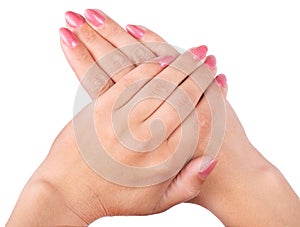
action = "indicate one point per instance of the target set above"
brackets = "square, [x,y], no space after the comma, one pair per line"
[64,179]
[240,193]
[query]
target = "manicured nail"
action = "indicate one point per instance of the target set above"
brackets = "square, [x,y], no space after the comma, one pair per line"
[221,80]
[211,61]
[68,38]
[199,52]
[165,61]
[95,17]
[136,31]
[206,166]
[74,19]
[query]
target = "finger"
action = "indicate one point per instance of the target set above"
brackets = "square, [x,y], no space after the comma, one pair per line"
[183,100]
[221,80]
[177,107]
[151,40]
[109,58]
[134,81]
[118,37]
[91,76]
[210,121]
[187,184]
[162,86]
[121,99]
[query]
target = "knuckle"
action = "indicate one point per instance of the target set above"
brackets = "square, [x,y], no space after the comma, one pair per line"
[162,49]
[204,118]
[128,81]
[160,88]
[83,57]
[112,32]
[137,53]
[203,77]
[181,100]
[89,36]
[114,62]
[95,81]
[190,191]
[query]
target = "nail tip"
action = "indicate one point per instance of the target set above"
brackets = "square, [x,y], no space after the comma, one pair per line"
[135,30]
[95,17]
[73,19]
[207,168]
[199,52]
[68,12]
[68,38]
[211,61]
[221,80]
[166,61]
[63,30]
[204,47]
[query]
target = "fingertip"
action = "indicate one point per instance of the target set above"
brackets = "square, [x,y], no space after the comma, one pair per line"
[74,20]
[68,38]
[221,81]
[211,61]
[165,61]
[206,166]
[199,52]
[137,31]
[95,17]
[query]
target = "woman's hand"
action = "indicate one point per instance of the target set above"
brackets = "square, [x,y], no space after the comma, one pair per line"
[78,182]
[241,171]
[69,192]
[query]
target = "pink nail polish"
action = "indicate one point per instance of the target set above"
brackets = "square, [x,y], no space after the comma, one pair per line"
[207,166]
[95,17]
[165,61]
[221,80]
[199,52]
[73,19]
[211,61]
[68,38]
[136,31]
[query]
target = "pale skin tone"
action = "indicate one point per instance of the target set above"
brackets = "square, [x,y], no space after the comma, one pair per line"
[244,189]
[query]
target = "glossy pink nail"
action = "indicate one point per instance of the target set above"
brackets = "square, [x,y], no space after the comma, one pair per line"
[74,20]
[207,165]
[68,38]
[199,52]
[211,61]
[221,80]
[136,31]
[95,17]
[165,61]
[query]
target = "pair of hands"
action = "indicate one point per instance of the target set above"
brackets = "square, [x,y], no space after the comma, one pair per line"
[143,92]
[67,186]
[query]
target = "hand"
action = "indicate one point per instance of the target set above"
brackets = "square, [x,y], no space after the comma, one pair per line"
[213,197]
[235,150]
[75,194]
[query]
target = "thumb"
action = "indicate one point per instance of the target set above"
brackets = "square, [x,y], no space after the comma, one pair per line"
[187,184]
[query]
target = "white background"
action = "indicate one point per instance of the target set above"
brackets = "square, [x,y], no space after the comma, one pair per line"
[256,44]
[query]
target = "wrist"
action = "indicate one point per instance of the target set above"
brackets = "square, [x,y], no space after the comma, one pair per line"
[246,190]
[40,204]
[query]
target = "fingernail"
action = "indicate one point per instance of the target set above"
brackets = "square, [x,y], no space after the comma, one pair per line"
[68,38]
[73,19]
[206,166]
[211,61]
[199,52]
[221,80]
[136,31]
[95,17]
[164,61]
